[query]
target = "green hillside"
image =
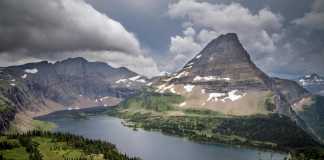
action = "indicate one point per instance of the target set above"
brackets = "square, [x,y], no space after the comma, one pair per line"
[37,145]
[262,131]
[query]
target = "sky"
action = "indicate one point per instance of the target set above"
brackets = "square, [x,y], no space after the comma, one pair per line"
[284,38]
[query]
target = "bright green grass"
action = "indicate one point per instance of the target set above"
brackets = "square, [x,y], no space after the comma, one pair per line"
[15,154]
[153,101]
[60,150]
[3,105]
[43,126]
[49,149]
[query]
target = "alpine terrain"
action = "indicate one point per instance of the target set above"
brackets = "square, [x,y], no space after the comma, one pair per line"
[39,88]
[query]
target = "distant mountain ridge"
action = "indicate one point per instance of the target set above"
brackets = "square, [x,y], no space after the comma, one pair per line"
[313,83]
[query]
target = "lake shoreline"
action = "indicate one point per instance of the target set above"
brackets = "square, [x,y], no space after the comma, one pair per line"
[118,124]
[100,110]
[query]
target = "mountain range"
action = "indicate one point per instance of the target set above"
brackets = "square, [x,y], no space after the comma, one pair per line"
[313,83]
[222,78]
[43,87]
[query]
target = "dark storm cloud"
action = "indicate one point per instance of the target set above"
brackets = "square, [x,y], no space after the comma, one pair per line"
[34,30]
[38,29]
[60,25]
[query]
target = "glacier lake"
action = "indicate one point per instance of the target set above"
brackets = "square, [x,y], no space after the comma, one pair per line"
[150,145]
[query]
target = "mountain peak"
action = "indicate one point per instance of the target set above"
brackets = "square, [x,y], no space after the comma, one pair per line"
[227,37]
[76,59]
[225,63]
[224,57]
[228,44]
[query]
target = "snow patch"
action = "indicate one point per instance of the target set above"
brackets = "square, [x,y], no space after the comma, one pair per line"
[103,98]
[182,104]
[210,78]
[173,90]
[13,80]
[214,97]
[188,87]
[134,78]
[164,87]
[12,84]
[31,71]
[149,84]
[167,88]
[161,86]
[190,64]
[233,96]
[198,56]
[121,81]
[203,91]
[73,108]
[141,80]
[24,76]
[183,73]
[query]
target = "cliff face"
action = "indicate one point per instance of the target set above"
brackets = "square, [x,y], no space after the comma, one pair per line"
[74,82]
[7,114]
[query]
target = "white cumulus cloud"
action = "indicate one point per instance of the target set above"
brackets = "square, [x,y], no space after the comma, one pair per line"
[257,31]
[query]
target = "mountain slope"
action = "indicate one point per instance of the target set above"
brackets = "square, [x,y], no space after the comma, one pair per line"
[44,87]
[223,78]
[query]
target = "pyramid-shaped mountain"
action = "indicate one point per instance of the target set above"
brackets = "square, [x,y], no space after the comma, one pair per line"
[225,64]
[222,77]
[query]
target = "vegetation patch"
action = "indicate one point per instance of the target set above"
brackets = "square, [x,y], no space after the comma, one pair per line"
[43,125]
[153,101]
[39,145]
[313,114]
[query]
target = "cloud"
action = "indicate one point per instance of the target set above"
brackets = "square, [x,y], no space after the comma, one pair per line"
[257,31]
[37,29]
[315,18]
[60,25]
